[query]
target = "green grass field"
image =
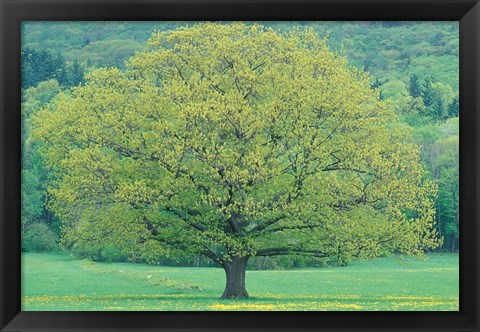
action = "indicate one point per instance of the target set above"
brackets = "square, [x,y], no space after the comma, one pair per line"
[60,282]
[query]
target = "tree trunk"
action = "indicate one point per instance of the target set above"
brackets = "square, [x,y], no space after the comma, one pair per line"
[235,273]
[453,239]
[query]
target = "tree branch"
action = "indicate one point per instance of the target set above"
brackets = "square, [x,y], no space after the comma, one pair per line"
[210,254]
[297,227]
[287,251]
[183,217]
[263,226]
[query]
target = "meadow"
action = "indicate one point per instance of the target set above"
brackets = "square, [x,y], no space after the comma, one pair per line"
[62,282]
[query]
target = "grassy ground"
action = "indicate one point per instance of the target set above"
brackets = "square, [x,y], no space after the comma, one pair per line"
[59,282]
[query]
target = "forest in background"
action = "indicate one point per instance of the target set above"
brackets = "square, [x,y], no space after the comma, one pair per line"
[415,66]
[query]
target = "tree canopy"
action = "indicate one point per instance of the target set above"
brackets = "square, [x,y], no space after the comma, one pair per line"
[233,141]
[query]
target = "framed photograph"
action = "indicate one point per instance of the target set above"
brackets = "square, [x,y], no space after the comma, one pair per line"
[240,165]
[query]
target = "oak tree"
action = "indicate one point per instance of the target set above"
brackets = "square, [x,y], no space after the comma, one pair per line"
[233,141]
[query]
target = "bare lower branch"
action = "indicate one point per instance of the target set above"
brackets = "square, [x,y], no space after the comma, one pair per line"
[263,226]
[210,254]
[290,251]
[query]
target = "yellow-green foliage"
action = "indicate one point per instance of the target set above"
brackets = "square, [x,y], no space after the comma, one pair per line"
[233,140]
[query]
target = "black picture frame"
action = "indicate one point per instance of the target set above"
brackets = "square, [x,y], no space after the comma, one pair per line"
[13,12]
